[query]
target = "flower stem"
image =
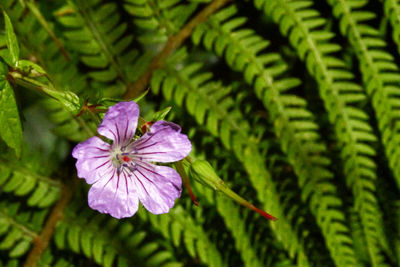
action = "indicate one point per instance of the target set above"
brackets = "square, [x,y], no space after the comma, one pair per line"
[185,180]
[204,173]
[30,83]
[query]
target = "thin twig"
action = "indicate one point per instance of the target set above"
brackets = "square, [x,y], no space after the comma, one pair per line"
[174,41]
[41,242]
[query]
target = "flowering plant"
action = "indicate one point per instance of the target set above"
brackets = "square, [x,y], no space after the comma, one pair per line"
[122,173]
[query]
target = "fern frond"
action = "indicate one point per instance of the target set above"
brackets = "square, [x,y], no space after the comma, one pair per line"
[95,32]
[230,212]
[158,19]
[392,11]
[381,74]
[21,179]
[293,123]
[358,235]
[49,260]
[18,228]
[108,241]
[212,107]
[305,28]
[72,128]
[179,227]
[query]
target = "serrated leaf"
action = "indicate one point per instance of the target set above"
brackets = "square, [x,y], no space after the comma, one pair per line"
[10,124]
[11,40]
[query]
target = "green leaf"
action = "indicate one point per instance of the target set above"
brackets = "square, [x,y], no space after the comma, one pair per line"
[11,40]
[10,124]
[5,55]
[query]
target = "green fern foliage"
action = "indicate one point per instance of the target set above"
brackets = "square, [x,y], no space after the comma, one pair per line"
[109,242]
[236,223]
[22,180]
[18,228]
[302,25]
[49,260]
[293,123]
[380,72]
[96,33]
[392,11]
[179,227]
[211,106]
[158,19]
[293,103]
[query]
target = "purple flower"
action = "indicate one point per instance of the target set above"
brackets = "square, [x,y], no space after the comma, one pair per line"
[121,174]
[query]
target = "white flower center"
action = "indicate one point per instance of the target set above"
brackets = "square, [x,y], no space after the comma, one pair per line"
[122,159]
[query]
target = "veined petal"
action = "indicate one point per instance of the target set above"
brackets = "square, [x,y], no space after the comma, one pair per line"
[120,121]
[157,187]
[115,195]
[93,159]
[163,143]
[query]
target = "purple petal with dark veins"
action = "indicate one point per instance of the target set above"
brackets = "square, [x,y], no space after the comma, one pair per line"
[93,159]
[115,195]
[157,187]
[163,143]
[120,121]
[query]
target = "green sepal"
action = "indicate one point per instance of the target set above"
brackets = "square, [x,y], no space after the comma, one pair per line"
[107,102]
[161,114]
[204,173]
[67,98]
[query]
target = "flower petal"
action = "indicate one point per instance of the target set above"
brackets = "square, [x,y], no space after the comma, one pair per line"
[157,187]
[120,121]
[163,143]
[115,195]
[93,159]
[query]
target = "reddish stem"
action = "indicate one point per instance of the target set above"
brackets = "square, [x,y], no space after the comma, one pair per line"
[263,213]
[189,188]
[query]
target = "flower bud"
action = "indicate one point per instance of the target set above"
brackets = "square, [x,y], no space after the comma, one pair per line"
[204,173]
